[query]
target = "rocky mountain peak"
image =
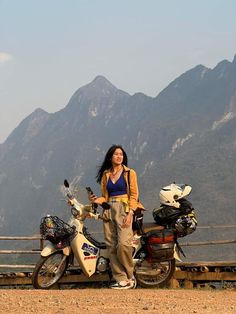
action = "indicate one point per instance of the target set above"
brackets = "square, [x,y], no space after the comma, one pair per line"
[101,82]
[183,84]
[99,87]
[95,96]
[30,126]
[222,64]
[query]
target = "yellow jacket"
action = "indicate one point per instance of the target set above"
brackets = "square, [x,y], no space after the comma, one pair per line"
[132,188]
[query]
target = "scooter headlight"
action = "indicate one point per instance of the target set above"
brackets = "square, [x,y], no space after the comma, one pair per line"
[74,211]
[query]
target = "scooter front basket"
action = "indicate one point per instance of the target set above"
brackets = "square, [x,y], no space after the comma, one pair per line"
[56,231]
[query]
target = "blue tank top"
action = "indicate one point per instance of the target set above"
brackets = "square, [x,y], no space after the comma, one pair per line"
[119,188]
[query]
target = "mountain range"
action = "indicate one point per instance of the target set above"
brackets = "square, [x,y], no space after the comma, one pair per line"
[186,134]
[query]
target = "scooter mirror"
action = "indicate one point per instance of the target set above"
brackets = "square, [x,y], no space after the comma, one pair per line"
[66,183]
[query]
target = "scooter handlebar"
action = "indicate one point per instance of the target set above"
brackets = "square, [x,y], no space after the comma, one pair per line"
[98,216]
[105,205]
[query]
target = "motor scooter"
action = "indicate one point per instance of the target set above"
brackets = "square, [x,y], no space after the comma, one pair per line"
[154,249]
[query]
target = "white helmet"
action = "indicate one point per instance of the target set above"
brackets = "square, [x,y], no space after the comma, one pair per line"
[169,195]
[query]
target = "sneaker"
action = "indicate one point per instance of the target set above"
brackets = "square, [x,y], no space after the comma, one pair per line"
[125,284]
[133,282]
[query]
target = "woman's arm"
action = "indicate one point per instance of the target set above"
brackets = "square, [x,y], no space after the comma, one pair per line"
[101,199]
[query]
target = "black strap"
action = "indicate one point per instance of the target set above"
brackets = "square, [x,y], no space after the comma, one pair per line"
[129,183]
[129,180]
[179,248]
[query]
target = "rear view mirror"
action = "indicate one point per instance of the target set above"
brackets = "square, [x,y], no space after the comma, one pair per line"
[66,183]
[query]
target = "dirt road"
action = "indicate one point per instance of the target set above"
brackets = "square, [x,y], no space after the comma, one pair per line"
[112,301]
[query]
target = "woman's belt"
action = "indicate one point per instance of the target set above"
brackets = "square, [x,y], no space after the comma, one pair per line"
[123,200]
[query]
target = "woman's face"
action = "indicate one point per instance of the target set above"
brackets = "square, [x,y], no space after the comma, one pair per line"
[117,157]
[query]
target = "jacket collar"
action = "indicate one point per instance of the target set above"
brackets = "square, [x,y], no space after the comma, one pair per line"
[126,168]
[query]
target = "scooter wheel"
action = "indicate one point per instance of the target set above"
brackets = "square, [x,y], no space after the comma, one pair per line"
[157,275]
[49,270]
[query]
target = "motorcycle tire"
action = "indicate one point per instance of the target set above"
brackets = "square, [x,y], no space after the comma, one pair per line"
[49,270]
[164,272]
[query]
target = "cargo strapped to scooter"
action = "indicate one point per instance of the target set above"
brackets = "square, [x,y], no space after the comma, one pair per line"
[182,219]
[160,244]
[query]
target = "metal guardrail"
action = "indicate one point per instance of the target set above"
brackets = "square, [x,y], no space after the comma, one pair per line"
[30,252]
[187,274]
[41,244]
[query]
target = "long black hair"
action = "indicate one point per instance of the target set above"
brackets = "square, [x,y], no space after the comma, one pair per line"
[107,161]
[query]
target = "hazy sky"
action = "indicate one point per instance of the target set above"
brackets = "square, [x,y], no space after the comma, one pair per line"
[50,48]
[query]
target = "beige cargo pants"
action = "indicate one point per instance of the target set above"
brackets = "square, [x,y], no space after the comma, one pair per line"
[119,242]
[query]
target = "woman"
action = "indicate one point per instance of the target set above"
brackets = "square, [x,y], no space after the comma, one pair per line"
[118,187]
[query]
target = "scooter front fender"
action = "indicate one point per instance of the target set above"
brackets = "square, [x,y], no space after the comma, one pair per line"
[48,250]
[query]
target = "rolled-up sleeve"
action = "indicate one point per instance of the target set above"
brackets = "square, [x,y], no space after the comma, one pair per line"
[104,196]
[133,192]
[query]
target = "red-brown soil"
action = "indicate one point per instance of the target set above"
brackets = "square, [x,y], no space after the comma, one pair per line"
[105,300]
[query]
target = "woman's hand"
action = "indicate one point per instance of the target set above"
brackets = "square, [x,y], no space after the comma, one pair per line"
[128,220]
[92,198]
[96,200]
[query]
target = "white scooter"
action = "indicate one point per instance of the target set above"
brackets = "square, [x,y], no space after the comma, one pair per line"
[154,249]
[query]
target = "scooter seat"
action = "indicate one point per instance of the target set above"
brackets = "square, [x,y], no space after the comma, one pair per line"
[100,245]
[149,226]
